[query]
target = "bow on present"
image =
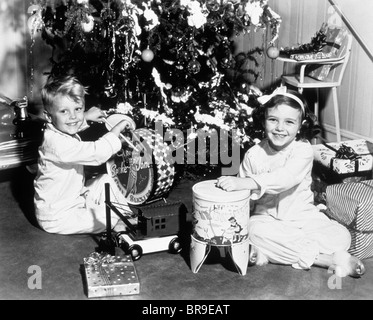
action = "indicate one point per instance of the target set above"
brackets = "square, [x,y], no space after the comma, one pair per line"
[97,259]
[345,152]
[280,91]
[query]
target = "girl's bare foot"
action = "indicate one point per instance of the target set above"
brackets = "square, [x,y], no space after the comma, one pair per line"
[346,264]
[256,257]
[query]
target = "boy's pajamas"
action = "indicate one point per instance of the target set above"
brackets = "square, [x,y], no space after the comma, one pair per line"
[65,203]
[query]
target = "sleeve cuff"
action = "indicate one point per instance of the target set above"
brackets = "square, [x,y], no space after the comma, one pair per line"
[113,141]
[257,194]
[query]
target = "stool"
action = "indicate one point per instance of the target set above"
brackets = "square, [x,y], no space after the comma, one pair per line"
[239,252]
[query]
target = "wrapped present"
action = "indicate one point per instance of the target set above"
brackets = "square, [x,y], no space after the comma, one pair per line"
[351,204]
[347,161]
[109,275]
[334,39]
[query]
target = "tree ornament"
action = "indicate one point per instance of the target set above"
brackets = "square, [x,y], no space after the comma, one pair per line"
[147,55]
[88,26]
[225,62]
[33,9]
[109,88]
[194,66]
[273,52]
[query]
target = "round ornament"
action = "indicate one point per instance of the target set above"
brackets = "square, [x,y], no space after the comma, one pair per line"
[31,23]
[194,66]
[88,26]
[33,8]
[273,52]
[147,55]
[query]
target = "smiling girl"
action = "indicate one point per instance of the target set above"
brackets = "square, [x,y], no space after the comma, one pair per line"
[285,226]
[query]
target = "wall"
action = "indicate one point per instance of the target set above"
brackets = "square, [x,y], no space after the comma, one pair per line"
[12,50]
[23,59]
[359,14]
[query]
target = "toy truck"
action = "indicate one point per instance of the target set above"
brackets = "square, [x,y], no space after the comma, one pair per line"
[157,228]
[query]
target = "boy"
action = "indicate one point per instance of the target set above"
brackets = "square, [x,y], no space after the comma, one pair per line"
[65,203]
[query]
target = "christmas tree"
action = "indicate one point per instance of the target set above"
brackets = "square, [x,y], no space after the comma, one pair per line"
[157,60]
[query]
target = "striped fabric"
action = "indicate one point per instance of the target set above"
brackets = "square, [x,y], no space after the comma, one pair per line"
[351,204]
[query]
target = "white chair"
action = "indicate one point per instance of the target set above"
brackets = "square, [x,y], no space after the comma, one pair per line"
[302,81]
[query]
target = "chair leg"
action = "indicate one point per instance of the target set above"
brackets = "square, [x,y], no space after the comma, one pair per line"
[316,113]
[317,103]
[336,114]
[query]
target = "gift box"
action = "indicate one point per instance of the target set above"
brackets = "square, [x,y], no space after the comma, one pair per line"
[351,204]
[347,161]
[334,40]
[108,275]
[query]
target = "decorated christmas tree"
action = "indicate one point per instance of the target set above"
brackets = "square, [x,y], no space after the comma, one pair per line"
[171,61]
[157,60]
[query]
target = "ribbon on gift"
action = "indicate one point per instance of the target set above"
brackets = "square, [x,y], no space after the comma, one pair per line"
[346,153]
[98,259]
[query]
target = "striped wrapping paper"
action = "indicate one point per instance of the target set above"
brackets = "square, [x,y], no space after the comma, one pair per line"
[351,204]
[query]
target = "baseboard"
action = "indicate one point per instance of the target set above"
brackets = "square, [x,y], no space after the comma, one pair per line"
[330,134]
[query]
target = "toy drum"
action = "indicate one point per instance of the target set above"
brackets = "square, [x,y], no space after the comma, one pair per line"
[146,173]
[220,218]
[114,118]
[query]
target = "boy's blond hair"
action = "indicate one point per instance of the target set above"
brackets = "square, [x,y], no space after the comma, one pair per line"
[67,85]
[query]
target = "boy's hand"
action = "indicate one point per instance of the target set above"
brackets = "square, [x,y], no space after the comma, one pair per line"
[120,127]
[95,114]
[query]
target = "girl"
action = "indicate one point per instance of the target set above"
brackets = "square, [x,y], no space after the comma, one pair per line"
[65,203]
[285,226]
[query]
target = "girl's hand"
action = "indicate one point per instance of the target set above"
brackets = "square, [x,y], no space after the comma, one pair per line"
[95,114]
[230,183]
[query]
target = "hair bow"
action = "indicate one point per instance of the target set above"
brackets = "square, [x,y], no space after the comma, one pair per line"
[280,91]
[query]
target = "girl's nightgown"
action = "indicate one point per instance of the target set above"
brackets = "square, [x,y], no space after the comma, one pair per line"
[284,224]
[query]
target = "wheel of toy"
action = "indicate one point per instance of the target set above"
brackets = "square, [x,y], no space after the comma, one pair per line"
[121,243]
[136,252]
[175,245]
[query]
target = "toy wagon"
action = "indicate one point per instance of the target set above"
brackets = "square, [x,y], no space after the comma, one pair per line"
[157,229]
